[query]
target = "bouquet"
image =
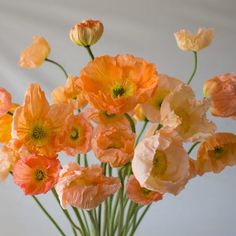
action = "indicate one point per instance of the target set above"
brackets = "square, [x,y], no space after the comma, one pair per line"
[109,192]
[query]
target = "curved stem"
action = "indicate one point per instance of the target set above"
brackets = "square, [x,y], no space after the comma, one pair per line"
[80,221]
[73,225]
[90,52]
[131,122]
[95,226]
[140,219]
[141,132]
[194,68]
[48,215]
[193,146]
[57,64]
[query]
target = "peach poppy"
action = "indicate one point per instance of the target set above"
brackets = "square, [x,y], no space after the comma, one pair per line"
[36,174]
[217,152]
[70,93]
[141,195]
[87,32]
[118,84]
[114,145]
[103,118]
[194,42]
[35,54]
[78,135]
[183,113]
[151,108]
[84,187]
[6,125]
[8,158]
[161,164]
[39,126]
[5,101]
[222,92]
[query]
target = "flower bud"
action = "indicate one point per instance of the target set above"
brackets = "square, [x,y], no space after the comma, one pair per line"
[194,42]
[222,91]
[86,33]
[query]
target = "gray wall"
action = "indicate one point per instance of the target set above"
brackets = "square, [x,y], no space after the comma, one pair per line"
[143,28]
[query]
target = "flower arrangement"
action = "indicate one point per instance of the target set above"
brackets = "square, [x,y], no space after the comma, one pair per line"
[98,110]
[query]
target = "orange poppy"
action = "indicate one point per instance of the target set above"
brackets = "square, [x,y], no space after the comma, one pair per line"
[118,84]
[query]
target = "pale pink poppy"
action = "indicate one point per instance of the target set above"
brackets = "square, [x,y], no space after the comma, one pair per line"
[84,187]
[183,113]
[161,164]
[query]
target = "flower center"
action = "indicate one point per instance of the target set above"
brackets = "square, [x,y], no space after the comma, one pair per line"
[217,152]
[145,191]
[39,175]
[118,91]
[185,125]
[158,98]
[74,134]
[38,133]
[159,164]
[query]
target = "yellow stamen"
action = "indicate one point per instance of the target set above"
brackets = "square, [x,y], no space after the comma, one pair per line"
[38,133]
[74,133]
[39,175]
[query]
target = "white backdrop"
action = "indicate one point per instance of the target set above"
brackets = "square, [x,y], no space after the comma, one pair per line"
[143,28]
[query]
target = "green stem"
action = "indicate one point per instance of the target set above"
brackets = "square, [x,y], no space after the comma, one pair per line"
[131,122]
[113,213]
[140,219]
[192,147]
[105,219]
[194,68]
[85,160]
[121,211]
[66,213]
[100,217]
[78,159]
[90,52]
[86,222]
[95,226]
[141,132]
[57,64]
[80,220]
[130,214]
[48,215]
